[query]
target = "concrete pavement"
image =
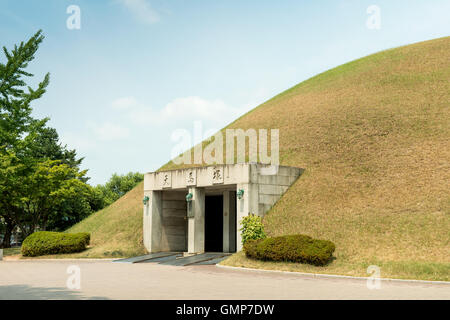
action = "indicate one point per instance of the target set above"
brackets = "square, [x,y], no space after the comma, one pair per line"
[105,280]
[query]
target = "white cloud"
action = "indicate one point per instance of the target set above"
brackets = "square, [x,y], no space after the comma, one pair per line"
[181,110]
[109,131]
[200,108]
[142,10]
[77,142]
[124,103]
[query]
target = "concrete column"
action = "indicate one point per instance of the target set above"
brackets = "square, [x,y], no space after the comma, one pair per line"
[229,221]
[226,221]
[232,224]
[196,223]
[245,206]
[153,221]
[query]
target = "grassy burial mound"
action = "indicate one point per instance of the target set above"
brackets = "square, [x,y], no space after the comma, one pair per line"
[374,138]
[116,231]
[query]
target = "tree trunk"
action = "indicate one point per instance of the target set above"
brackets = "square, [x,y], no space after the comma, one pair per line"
[8,233]
[43,225]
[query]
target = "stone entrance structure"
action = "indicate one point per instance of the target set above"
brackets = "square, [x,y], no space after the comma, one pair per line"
[200,209]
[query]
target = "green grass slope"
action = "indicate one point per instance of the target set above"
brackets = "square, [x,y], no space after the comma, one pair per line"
[116,231]
[374,138]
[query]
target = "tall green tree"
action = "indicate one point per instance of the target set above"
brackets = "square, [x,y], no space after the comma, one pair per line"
[41,182]
[18,128]
[16,121]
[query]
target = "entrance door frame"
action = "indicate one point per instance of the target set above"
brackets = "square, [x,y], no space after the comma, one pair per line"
[196,220]
[214,219]
[230,227]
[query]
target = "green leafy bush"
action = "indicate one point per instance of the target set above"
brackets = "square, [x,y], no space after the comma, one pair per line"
[116,187]
[85,236]
[252,228]
[294,248]
[47,242]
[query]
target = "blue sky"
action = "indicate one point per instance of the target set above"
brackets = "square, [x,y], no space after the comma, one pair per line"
[137,70]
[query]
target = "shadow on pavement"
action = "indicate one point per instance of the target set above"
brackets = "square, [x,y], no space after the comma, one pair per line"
[25,292]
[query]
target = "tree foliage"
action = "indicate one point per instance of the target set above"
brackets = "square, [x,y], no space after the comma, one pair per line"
[41,183]
[117,186]
[16,97]
[46,145]
[51,186]
[42,186]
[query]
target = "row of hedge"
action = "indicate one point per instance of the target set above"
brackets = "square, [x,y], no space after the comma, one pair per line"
[47,242]
[293,248]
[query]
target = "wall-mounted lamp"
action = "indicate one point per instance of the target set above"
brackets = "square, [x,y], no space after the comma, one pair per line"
[189,197]
[145,200]
[240,194]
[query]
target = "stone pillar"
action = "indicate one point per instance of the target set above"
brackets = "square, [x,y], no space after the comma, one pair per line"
[226,221]
[153,221]
[196,221]
[229,221]
[245,206]
[233,225]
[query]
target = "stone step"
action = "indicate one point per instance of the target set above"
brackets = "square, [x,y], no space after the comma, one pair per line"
[146,257]
[202,257]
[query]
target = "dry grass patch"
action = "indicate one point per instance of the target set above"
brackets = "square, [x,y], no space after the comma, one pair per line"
[410,270]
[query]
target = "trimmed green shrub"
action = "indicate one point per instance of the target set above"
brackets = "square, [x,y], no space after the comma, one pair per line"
[252,228]
[294,248]
[85,236]
[46,242]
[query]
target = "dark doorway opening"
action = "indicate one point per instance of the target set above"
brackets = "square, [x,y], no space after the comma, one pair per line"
[214,223]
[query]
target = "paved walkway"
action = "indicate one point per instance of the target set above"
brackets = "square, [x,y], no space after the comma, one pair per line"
[107,280]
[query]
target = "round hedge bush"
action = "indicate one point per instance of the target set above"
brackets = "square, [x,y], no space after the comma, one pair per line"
[46,242]
[294,248]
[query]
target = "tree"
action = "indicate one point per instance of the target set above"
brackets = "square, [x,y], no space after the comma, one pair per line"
[118,185]
[41,183]
[45,193]
[17,127]
[46,145]
[75,209]
[11,187]
[2,231]
[50,187]
[16,96]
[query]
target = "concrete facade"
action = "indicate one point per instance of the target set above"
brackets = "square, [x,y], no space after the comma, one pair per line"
[174,223]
